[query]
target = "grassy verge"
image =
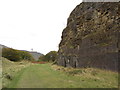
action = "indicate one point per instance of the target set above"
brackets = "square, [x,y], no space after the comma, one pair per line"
[10,69]
[16,78]
[53,76]
[90,77]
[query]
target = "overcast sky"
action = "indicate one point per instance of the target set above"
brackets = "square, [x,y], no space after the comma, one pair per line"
[37,24]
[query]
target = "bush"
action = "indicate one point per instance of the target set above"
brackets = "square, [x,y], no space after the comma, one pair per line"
[42,58]
[49,57]
[10,54]
[16,55]
[73,72]
[24,55]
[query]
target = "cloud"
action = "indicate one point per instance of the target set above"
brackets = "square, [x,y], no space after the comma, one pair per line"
[36,24]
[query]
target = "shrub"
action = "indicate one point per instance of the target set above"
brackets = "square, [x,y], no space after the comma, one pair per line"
[10,54]
[42,58]
[16,55]
[49,57]
[24,55]
[73,72]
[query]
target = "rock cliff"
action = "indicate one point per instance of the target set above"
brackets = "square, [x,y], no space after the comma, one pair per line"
[91,38]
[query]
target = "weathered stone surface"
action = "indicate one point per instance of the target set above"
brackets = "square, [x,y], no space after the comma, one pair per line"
[91,38]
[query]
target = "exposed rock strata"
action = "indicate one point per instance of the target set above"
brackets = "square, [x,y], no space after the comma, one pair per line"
[91,38]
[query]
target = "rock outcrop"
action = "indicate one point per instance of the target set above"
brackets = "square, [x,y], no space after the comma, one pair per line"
[91,38]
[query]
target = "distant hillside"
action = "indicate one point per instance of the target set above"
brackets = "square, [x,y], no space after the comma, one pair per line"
[36,55]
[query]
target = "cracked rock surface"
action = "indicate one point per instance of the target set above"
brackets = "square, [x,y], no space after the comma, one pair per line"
[91,37]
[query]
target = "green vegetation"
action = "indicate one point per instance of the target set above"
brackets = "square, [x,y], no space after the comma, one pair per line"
[10,54]
[92,77]
[49,57]
[53,76]
[10,69]
[24,55]
[16,55]
[42,58]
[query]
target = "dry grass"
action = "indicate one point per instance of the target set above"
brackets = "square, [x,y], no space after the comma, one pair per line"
[9,69]
[53,76]
[107,78]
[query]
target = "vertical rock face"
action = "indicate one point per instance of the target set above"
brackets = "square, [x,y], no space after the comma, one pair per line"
[91,38]
[101,0]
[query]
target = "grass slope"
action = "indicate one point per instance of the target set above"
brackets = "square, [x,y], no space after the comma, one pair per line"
[9,70]
[47,76]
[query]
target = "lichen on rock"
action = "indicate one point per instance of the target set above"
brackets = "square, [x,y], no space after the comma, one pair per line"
[91,38]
